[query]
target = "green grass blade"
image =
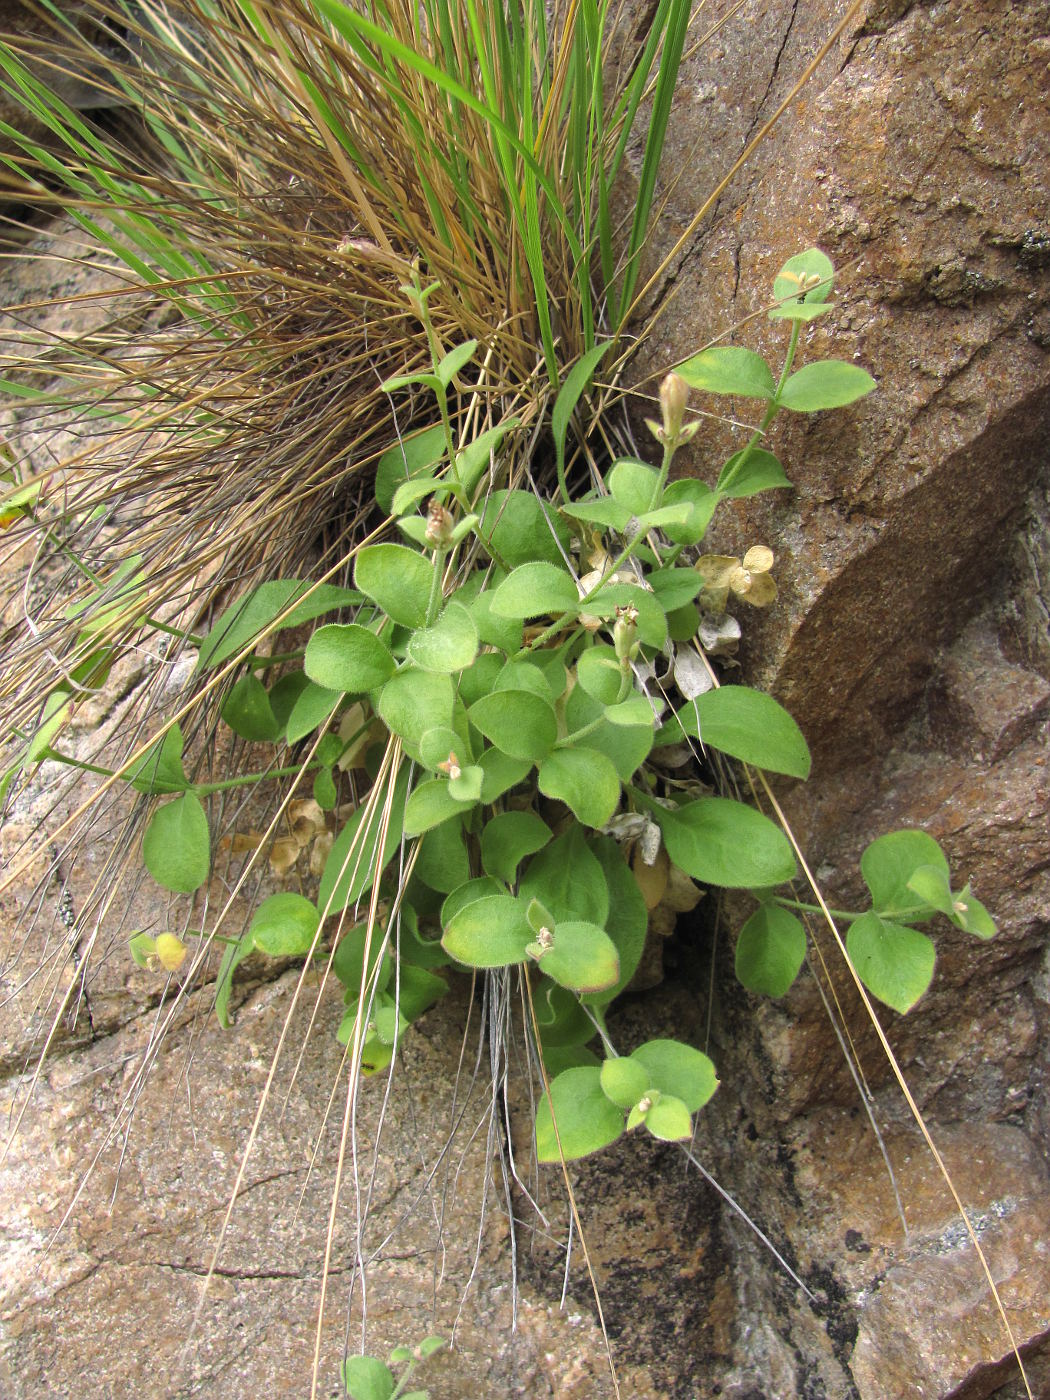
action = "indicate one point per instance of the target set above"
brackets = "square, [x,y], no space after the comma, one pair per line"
[677,23]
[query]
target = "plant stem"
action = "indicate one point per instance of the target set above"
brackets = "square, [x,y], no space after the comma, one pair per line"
[204,789]
[665,467]
[774,406]
[199,789]
[805,908]
[435,585]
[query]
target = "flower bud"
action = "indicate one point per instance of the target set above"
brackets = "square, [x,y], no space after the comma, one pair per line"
[674,395]
[170,951]
[625,632]
[439,525]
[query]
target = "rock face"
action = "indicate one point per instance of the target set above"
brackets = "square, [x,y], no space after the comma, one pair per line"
[910,640]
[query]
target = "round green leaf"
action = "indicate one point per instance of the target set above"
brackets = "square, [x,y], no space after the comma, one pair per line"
[160,767]
[729,369]
[770,951]
[502,632]
[450,645]
[633,484]
[248,712]
[625,746]
[893,961]
[348,962]
[176,846]
[598,671]
[585,780]
[624,1081]
[633,713]
[749,725]
[409,458]
[414,701]
[582,957]
[601,511]
[143,950]
[329,749]
[931,885]
[284,693]
[534,590]
[314,705]
[521,529]
[285,925]
[466,785]
[518,722]
[825,384]
[678,1069]
[398,579]
[479,679]
[675,587]
[438,744]
[523,675]
[443,863]
[349,658]
[508,838]
[749,471]
[365,1378]
[409,492]
[563,1025]
[467,893]
[971,916]
[489,932]
[889,863]
[500,772]
[539,916]
[702,502]
[721,842]
[669,1119]
[798,298]
[325,794]
[652,620]
[429,805]
[568,878]
[587,1120]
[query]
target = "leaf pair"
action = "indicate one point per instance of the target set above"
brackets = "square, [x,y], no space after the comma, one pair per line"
[660,1085]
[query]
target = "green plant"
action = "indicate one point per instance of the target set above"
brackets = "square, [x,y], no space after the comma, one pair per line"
[367,1378]
[500,664]
[495,673]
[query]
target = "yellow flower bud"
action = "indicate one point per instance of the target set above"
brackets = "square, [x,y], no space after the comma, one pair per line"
[170,951]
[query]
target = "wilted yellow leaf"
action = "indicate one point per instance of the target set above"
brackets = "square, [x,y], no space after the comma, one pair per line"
[652,879]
